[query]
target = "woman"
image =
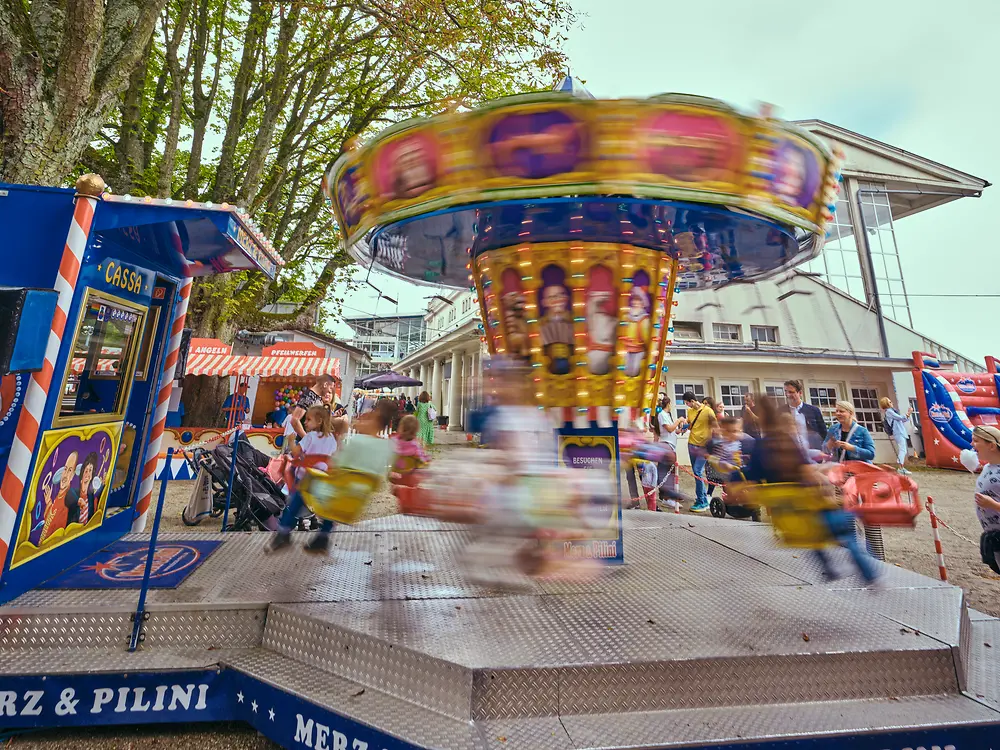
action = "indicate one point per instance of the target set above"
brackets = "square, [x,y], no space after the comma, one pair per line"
[896,426]
[424,408]
[751,422]
[847,440]
[715,479]
[667,429]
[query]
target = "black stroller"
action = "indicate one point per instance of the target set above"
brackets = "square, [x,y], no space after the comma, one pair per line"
[256,503]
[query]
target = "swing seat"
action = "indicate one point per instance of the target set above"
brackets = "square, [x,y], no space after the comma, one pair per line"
[339,495]
[879,496]
[795,513]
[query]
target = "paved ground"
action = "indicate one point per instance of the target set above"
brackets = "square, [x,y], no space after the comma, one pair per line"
[952,493]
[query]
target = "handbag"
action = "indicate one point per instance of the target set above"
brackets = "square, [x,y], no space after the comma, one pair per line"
[276,468]
[432,413]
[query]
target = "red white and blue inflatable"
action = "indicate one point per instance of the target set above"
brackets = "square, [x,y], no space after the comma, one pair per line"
[951,404]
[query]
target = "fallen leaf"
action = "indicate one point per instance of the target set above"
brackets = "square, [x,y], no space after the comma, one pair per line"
[360,692]
[424,575]
[369,562]
[987,645]
[651,621]
[394,549]
[805,637]
[501,738]
[458,606]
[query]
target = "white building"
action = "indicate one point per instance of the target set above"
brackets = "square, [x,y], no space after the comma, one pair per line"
[841,323]
[386,339]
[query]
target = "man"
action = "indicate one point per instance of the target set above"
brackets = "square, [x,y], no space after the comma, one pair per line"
[701,422]
[320,392]
[236,407]
[808,418]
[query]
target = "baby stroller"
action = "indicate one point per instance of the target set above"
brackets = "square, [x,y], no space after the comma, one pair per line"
[720,506]
[256,501]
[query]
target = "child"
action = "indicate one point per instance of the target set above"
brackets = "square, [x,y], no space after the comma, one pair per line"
[986,443]
[726,449]
[315,449]
[410,453]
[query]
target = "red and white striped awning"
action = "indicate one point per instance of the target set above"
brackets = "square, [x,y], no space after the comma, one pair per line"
[269,367]
[265,367]
[213,364]
[103,365]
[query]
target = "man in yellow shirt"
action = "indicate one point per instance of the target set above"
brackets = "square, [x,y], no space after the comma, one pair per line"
[701,421]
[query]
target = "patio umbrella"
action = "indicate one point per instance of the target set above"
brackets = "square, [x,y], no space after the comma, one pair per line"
[389,380]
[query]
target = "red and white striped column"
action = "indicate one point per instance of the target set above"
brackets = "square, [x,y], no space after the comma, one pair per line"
[942,571]
[162,405]
[29,423]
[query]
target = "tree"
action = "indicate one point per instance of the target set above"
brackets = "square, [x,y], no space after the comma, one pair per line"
[63,67]
[250,101]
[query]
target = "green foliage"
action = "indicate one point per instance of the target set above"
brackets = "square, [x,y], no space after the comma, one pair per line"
[272,90]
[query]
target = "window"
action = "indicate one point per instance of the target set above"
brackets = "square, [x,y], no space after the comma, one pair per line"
[764,334]
[825,397]
[146,346]
[101,366]
[700,390]
[727,332]
[866,409]
[732,397]
[687,331]
[775,391]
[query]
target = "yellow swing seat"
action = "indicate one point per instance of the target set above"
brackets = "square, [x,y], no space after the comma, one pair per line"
[795,513]
[339,495]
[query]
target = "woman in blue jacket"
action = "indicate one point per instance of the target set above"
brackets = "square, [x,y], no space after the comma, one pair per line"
[847,440]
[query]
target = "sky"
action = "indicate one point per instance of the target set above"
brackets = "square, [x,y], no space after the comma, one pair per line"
[919,76]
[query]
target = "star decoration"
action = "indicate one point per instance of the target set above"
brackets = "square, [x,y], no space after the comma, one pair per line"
[100,567]
[270,713]
[239,697]
[954,459]
[937,442]
[253,705]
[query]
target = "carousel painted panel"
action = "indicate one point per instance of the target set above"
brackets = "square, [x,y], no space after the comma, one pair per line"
[68,489]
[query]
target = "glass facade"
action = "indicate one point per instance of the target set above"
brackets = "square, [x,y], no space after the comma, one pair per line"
[839,264]
[885,256]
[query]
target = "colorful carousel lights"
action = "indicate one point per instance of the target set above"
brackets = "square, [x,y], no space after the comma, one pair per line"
[576,219]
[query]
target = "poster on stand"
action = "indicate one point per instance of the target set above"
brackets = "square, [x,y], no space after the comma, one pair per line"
[596,450]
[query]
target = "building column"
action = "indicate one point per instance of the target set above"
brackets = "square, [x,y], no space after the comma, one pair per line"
[423,379]
[435,390]
[414,390]
[455,392]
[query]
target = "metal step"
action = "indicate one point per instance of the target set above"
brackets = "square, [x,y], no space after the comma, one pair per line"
[535,656]
[681,727]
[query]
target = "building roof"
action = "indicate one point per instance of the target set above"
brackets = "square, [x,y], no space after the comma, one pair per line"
[915,183]
[328,339]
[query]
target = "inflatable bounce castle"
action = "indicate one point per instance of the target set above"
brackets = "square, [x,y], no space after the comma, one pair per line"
[951,404]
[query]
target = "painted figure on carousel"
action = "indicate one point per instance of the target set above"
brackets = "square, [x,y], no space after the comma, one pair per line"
[514,316]
[557,327]
[602,320]
[637,331]
[56,510]
[81,503]
[414,171]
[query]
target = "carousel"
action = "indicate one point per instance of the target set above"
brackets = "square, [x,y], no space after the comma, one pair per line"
[576,220]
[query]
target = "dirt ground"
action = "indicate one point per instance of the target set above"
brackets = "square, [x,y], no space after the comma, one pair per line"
[952,492]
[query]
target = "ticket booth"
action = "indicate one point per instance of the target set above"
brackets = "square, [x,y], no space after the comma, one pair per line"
[96,287]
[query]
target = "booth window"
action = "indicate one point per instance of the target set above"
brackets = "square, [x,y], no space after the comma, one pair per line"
[143,361]
[100,370]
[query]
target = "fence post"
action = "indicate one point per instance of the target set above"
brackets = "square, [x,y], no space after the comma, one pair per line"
[942,571]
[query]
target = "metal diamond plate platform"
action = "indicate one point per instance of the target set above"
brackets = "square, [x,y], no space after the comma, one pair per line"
[708,634]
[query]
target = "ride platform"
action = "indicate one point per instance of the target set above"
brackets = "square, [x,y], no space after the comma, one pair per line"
[708,636]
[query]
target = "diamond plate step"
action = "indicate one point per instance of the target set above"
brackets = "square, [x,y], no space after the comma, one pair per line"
[537,656]
[420,726]
[108,628]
